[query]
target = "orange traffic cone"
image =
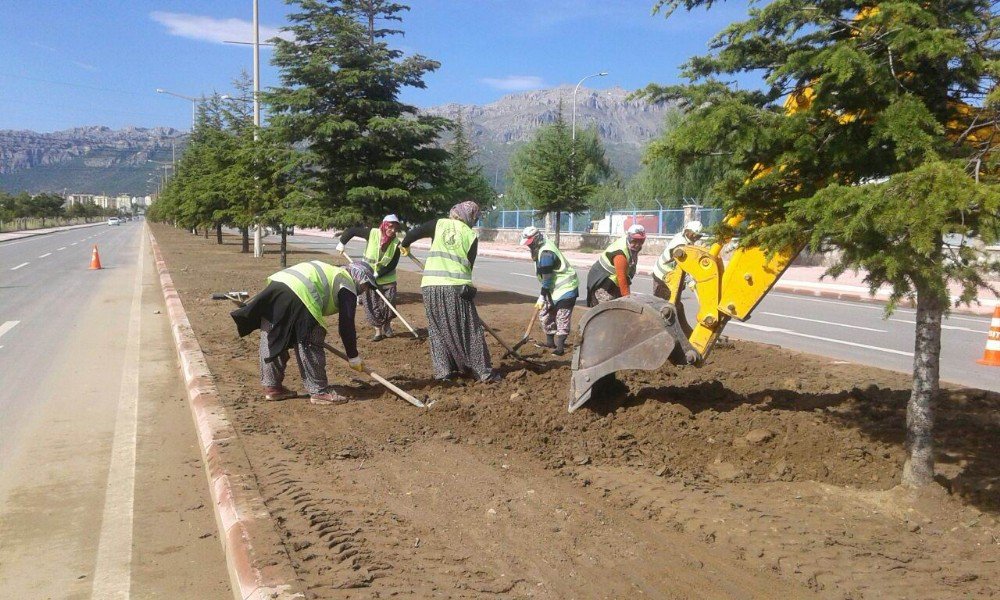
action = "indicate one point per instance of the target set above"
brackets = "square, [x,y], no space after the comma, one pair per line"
[95,259]
[992,355]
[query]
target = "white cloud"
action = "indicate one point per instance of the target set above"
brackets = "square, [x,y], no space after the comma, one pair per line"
[515,82]
[210,29]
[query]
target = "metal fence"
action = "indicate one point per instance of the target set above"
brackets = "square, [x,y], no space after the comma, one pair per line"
[660,221]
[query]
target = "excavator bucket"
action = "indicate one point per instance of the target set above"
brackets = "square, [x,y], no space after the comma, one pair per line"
[636,332]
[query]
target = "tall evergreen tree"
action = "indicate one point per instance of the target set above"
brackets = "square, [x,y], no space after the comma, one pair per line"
[341,81]
[886,145]
[465,180]
[560,173]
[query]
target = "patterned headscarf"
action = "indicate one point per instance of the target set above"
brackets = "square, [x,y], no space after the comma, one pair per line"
[467,212]
[361,272]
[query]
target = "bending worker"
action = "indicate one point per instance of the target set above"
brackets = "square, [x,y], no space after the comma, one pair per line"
[666,263]
[559,288]
[382,253]
[453,325]
[289,313]
[612,273]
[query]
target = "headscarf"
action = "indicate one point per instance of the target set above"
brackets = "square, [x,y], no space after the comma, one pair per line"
[383,228]
[467,212]
[361,272]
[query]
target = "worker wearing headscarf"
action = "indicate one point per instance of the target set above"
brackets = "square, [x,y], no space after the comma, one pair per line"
[611,275]
[560,288]
[290,314]
[666,263]
[382,253]
[453,326]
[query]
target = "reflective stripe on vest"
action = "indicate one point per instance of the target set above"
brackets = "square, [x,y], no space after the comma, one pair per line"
[619,245]
[566,280]
[666,263]
[447,262]
[376,258]
[317,285]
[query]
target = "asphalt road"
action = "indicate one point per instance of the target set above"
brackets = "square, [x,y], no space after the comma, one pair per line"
[101,490]
[850,331]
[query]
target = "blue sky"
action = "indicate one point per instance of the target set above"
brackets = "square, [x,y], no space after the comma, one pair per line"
[69,63]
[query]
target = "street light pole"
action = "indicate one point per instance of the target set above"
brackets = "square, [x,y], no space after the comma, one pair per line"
[194,103]
[258,249]
[575,90]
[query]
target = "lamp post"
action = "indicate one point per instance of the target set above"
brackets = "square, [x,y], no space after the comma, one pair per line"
[192,99]
[575,90]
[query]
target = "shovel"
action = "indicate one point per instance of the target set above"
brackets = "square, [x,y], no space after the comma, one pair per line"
[510,351]
[524,338]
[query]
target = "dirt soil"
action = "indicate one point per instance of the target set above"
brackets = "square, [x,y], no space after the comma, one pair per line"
[766,473]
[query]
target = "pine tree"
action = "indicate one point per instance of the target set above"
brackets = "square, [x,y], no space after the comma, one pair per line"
[885,146]
[465,180]
[371,153]
[560,173]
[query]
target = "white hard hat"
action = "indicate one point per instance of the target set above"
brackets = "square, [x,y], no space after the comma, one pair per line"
[390,219]
[637,232]
[694,227]
[528,235]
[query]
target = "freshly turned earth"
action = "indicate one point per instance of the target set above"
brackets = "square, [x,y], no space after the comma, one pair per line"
[766,473]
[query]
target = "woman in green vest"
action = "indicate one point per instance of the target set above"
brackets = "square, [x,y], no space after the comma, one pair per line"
[289,313]
[453,325]
[560,288]
[611,275]
[382,253]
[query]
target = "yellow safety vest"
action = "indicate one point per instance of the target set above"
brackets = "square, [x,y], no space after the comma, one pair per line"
[666,263]
[621,244]
[448,262]
[317,285]
[376,258]
[566,279]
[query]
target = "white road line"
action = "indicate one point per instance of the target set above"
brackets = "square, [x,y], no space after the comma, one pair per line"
[46,254]
[823,322]
[870,306]
[817,337]
[943,326]
[19,266]
[523,275]
[74,243]
[58,249]
[7,326]
[113,571]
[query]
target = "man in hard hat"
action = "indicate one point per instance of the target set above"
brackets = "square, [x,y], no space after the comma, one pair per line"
[666,263]
[559,288]
[382,253]
[289,313]
[612,273]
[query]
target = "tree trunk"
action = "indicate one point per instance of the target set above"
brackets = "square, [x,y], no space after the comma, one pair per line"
[284,246]
[206,232]
[245,232]
[919,467]
[218,233]
[558,223]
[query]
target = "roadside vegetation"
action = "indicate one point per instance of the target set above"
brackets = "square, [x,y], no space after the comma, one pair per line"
[24,211]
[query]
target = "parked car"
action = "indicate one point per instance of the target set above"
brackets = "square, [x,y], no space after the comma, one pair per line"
[114,221]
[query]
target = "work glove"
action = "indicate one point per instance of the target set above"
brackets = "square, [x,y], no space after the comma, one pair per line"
[340,246]
[357,364]
[540,303]
[404,250]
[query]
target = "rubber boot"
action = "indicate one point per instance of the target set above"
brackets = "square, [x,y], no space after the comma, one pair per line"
[560,345]
[550,340]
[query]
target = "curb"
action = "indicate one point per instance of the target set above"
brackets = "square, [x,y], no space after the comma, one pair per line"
[245,525]
[29,233]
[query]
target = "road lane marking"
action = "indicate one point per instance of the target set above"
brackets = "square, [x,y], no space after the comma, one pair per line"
[943,326]
[58,249]
[7,326]
[113,570]
[523,275]
[869,306]
[74,243]
[767,329]
[19,266]
[823,322]
[46,254]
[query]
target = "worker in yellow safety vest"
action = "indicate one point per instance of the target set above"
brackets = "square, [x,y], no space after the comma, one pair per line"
[382,253]
[666,263]
[290,313]
[560,288]
[453,326]
[611,275]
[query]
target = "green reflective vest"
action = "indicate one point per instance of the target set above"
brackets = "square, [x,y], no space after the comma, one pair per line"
[448,262]
[666,263]
[376,258]
[566,280]
[317,285]
[619,245]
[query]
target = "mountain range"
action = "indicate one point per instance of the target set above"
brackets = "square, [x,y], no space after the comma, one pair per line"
[100,160]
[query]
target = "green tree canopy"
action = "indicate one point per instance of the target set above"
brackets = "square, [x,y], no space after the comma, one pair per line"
[465,180]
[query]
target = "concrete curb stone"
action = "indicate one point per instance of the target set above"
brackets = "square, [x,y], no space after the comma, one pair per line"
[258,565]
